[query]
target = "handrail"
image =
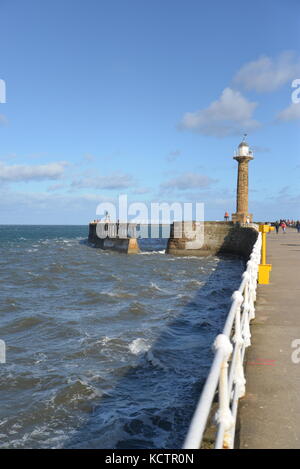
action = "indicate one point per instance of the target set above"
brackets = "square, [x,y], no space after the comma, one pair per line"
[227,371]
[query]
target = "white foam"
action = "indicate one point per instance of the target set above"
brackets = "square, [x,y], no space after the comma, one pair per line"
[118,294]
[105,340]
[196,282]
[138,346]
[155,287]
[149,253]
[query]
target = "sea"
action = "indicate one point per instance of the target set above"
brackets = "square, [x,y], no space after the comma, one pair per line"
[104,350]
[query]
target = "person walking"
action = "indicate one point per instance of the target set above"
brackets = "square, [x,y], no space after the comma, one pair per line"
[277,226]
[226,216]
[298,226]
[283,226]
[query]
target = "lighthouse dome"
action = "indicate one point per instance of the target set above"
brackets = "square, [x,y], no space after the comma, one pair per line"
[244,149]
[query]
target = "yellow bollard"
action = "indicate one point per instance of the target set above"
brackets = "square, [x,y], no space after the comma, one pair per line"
[264,269]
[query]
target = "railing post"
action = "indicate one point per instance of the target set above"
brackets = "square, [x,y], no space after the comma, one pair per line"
[223,416]
[239,378]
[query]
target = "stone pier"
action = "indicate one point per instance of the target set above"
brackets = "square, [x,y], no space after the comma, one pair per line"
[186,238]
[212,238]
[114,237]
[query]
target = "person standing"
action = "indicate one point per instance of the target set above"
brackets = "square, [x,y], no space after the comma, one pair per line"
[298,226]
[226,216]
[277,226]
[283,226]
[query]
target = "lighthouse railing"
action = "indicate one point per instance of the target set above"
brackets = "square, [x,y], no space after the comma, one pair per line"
[225,383]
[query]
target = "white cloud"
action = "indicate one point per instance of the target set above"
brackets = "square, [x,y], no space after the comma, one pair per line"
[112,182]
[49,200]
[187,181]
[141,190]
[55,187]
[47,208]
[18,172]
[266,74]
[290,113]
[231,114]
[259,149]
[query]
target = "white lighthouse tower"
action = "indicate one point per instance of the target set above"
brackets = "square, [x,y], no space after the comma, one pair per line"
[243,155]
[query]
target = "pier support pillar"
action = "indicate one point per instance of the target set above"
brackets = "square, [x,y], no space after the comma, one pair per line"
[133,247]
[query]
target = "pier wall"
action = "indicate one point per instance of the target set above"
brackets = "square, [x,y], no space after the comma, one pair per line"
[124,245]
[191,239]
[215,238]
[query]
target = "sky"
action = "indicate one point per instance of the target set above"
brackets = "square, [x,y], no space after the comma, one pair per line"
[149,99]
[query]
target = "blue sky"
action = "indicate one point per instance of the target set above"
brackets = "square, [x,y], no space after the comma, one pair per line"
[150,99]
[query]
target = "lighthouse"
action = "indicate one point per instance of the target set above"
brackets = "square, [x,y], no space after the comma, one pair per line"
[243,156]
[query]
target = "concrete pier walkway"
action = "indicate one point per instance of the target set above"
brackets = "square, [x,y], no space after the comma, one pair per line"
[269,414]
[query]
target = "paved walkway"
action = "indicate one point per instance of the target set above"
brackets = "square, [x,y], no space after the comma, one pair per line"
[270,412]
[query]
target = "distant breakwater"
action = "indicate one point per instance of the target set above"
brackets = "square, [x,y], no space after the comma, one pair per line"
[194,239]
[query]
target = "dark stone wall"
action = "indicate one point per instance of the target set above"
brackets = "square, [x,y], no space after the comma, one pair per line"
[219,238]
[92,233]
[127,246]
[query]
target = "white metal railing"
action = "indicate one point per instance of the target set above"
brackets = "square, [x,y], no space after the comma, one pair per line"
[227,371]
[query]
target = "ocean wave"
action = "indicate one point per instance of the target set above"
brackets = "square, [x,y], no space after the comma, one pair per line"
[154,286]
[75,393]
[121,294]
[99,361]
[155,361]
[94,297]
[139,346]
[133,309]
[57,268]
[24,323]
